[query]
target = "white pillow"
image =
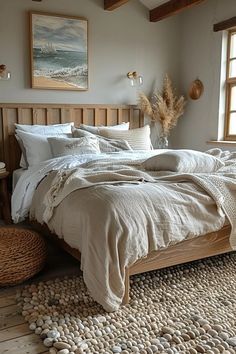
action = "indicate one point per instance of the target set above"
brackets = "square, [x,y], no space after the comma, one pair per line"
[95,130]
[36,146]
[138,139]
[49,130]
[74,146]
[183,161]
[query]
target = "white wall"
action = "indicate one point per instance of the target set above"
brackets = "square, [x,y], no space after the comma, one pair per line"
[201,57]
[119,42]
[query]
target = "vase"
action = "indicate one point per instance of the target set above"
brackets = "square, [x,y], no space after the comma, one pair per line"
[163,142]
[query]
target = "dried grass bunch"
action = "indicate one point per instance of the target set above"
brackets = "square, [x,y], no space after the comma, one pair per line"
[164,106]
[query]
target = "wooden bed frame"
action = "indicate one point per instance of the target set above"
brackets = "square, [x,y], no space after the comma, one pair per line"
[212,244]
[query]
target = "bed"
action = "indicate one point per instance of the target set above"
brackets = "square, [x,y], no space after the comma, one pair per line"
[210,244]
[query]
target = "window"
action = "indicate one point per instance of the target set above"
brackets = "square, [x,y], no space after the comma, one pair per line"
[230,126]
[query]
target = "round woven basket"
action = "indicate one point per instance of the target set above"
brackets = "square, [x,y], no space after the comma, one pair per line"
[22,254]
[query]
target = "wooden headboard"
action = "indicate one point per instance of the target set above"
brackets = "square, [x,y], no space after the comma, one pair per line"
[94,114]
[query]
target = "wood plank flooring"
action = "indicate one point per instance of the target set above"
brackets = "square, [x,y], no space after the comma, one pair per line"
[15,335]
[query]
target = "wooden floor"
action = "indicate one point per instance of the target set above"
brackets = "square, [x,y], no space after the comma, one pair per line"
[15,336]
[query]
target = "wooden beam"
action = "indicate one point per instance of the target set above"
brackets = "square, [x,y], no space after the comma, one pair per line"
[113,4]
[170,8]
[224,25]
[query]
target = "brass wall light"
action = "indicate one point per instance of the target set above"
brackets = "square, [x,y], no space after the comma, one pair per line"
[135,78]
[4,73]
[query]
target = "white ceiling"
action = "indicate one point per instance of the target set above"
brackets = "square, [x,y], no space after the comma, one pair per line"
[151,4]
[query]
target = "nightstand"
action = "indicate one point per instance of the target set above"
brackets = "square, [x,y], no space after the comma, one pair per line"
[4,198]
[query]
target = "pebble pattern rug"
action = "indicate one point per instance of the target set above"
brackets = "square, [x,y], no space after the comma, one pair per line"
[188,309]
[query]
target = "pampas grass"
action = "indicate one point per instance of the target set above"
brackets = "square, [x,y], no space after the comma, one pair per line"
[164,106]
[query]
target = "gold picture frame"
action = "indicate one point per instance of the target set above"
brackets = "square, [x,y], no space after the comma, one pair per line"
[59,52]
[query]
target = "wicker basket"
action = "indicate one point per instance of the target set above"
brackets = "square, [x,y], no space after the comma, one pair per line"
[22,254]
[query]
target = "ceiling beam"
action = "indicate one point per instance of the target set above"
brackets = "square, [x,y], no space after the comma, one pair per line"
[224,25]
[170,8]
[113,4]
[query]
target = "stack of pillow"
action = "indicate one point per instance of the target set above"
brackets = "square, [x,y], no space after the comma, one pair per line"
[43,142]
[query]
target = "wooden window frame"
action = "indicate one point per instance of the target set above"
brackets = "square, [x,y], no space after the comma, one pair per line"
[229,84]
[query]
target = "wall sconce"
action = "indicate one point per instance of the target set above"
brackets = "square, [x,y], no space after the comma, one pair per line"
[135,79]
[4,73]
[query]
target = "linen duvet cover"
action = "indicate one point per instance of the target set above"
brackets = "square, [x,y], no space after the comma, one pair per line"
[115,212]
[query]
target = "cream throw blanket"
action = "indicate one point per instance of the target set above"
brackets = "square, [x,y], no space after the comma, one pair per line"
[220,186]
[89,175]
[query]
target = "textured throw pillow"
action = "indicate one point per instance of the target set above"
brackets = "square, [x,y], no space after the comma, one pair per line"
[106,145]
[183,161]
[138,139]
[36,147]
[94,130]
[73,146]
[48,130]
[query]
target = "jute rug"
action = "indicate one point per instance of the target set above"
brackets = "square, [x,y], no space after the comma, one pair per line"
[184,309]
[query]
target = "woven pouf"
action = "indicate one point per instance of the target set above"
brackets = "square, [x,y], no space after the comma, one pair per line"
[22,254]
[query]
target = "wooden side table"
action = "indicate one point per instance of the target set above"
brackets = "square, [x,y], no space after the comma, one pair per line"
[4,198]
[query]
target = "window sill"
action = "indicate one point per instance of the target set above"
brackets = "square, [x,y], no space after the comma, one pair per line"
[222,142]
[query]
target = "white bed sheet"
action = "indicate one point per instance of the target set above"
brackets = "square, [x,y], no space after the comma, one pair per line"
[16,176]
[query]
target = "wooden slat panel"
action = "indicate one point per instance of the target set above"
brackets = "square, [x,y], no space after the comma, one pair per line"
[102,117]
[84,115]
[1,137]
[25,116]
[12,118]
[90,117]
[125,115]
[120,116]
[66,115]
[108,117]
[113,117]
[131,118]
[135,119]
[14,332]
[6,148]
[78,117]
[53,116]
[28,344]
[39,116]
[141,119]
[96,116]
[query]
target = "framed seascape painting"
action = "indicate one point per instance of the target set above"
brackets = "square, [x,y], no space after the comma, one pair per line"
[59,52]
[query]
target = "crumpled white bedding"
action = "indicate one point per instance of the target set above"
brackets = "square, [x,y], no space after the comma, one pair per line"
[25,188]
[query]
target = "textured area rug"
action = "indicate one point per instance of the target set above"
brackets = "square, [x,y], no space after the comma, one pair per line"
[185,309]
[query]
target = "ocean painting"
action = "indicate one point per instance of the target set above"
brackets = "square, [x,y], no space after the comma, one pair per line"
[59,52]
